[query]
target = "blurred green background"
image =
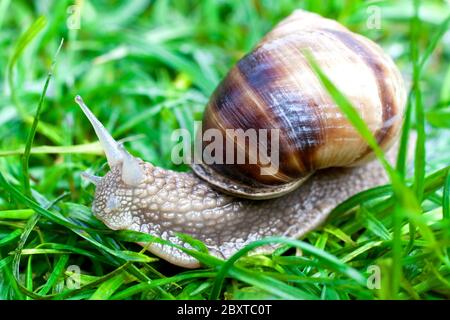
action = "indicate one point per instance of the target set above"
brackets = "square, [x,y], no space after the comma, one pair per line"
[148,67]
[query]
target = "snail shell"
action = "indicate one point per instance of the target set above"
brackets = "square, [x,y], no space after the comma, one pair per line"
[274,87]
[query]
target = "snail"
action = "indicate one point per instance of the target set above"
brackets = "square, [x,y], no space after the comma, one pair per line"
[322,159]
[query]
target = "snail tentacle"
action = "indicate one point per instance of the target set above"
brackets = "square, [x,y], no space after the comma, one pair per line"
[132,174]
[90,177]
[112,149]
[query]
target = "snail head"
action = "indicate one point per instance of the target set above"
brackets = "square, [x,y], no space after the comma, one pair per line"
[115,191]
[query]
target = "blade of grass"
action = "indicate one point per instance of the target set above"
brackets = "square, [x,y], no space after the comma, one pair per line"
[441,30]
[32,133]
[88,148]
[10,237]
[419,159]
[396,271]
[359,199]
[107,288]
[446,198]
[439,118]
[402,155]
[16,214]
[374,225]
[29,275]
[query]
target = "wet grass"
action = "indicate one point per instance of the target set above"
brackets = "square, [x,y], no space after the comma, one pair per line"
[148,68]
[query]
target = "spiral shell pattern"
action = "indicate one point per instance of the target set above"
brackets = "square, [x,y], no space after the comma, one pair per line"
[274,87]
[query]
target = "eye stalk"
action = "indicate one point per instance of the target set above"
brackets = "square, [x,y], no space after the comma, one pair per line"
[132,173]
[91,178]
[114,154]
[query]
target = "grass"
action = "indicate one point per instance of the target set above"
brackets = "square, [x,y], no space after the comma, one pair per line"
[147,68]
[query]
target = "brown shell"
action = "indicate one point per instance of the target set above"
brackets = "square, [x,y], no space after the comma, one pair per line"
[274,87]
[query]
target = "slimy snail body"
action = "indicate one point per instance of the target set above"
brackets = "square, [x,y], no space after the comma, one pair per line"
[322,159]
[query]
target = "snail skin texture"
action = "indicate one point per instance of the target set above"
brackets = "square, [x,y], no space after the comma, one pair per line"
[273,87]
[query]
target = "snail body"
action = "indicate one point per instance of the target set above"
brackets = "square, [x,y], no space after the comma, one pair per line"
[273,87]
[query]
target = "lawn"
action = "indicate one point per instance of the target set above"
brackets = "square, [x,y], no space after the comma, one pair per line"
[147,68]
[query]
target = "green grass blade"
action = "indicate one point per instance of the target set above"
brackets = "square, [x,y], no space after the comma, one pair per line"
[359,199]
[29,275]
[32,133]
[402,156]
[88,148]
[107,288]
[442,29]
[446,198]
[10,237]
[396,270]
[419,159]
[16,214]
